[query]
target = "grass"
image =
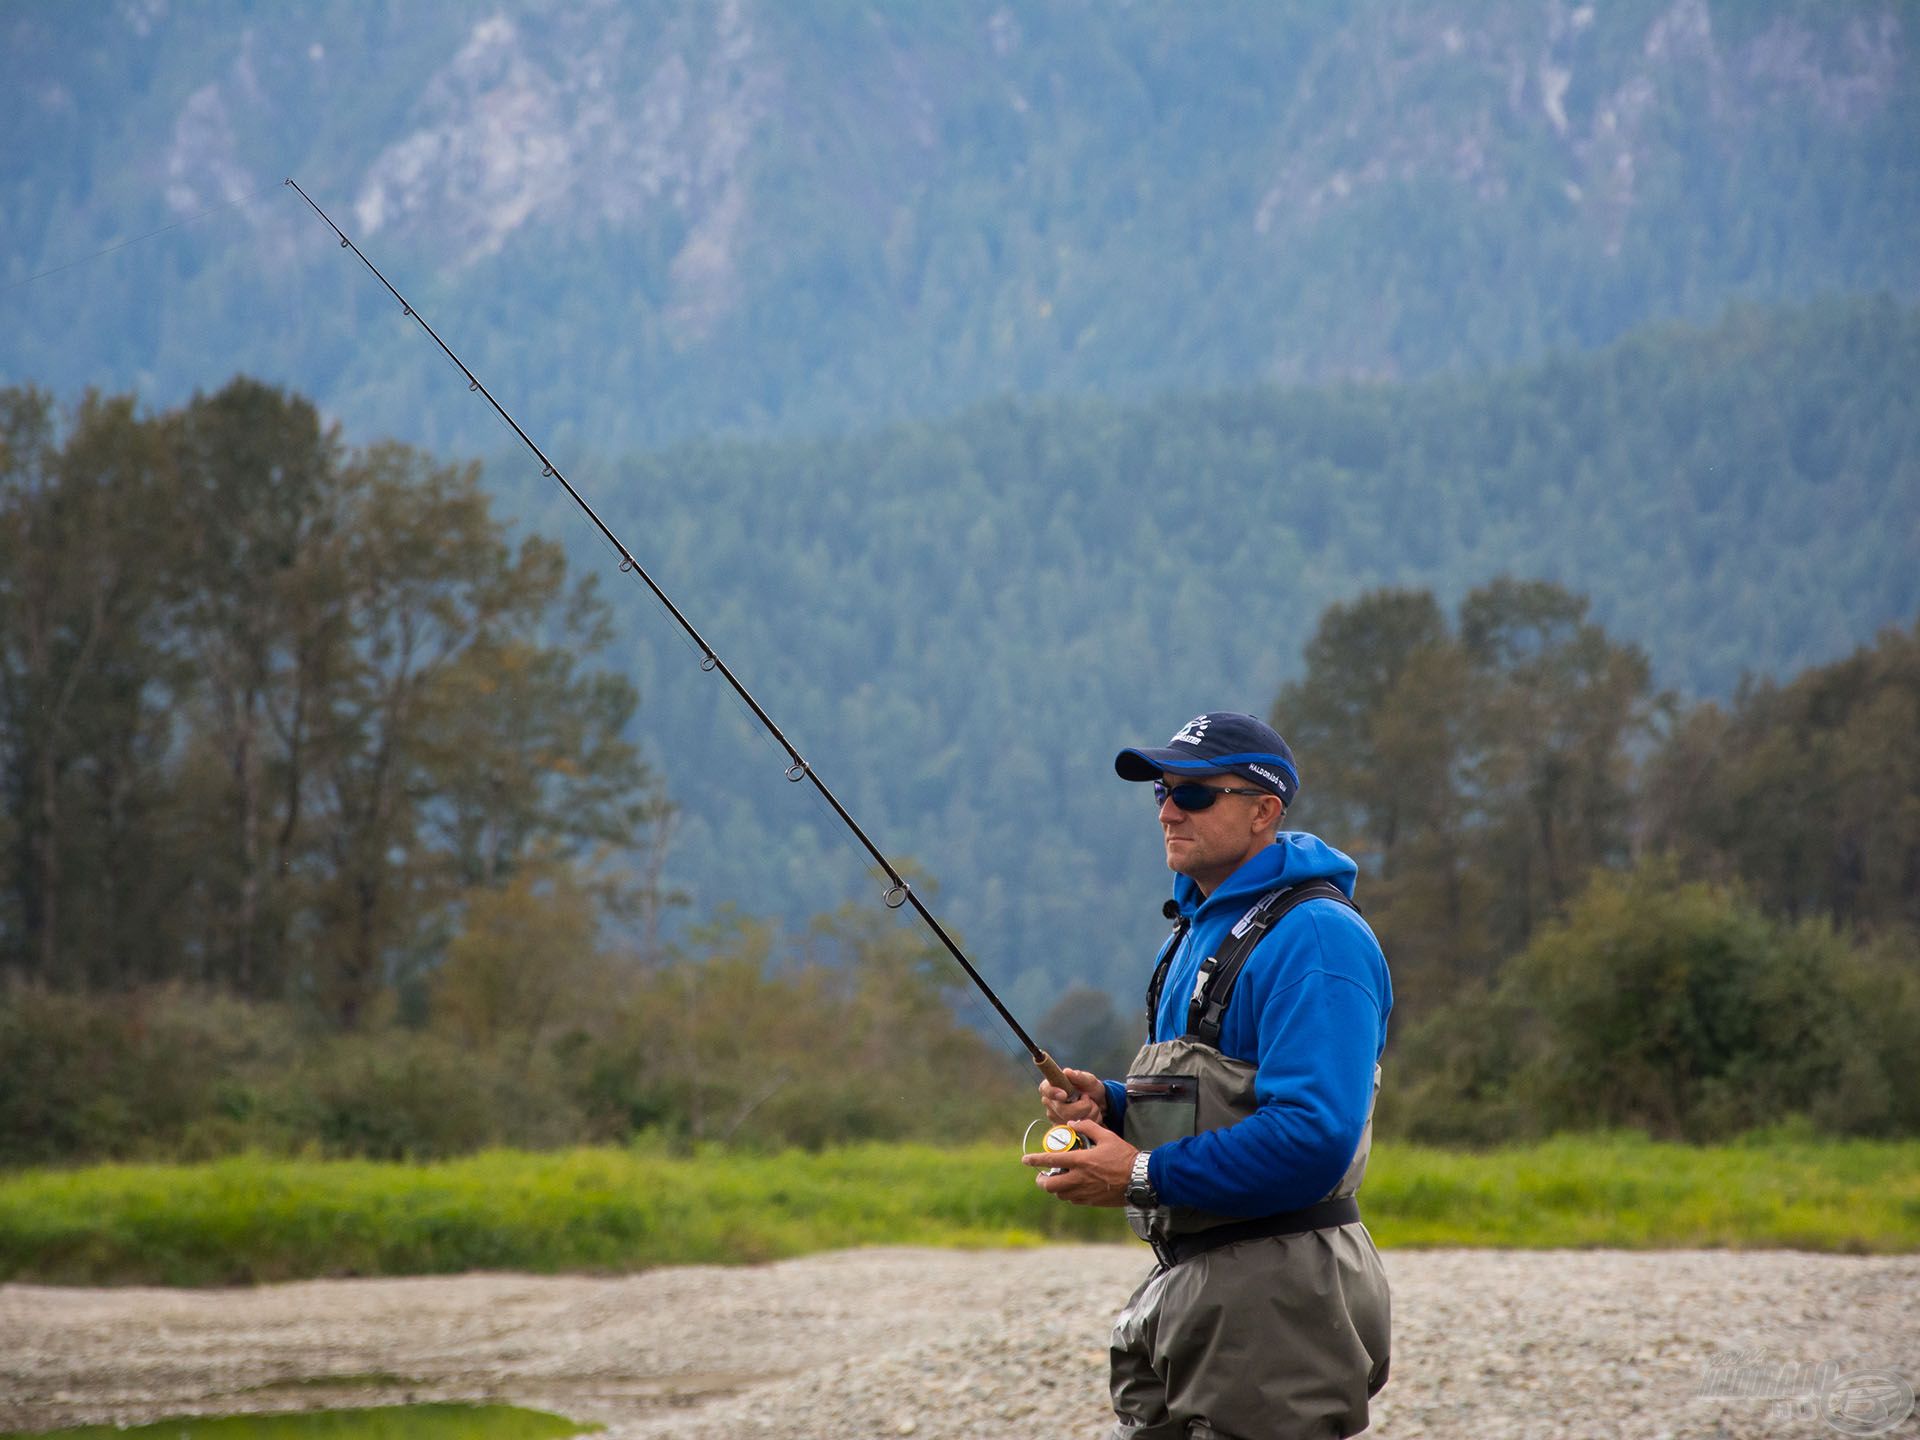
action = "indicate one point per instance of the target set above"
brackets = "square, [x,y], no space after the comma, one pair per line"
[1627,1192]
[252,1219]
[384,1422]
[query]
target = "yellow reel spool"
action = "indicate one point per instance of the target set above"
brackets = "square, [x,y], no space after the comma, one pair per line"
[1061,1138]
[1057,1141]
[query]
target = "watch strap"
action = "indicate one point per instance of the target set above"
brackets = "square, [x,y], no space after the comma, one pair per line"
[1139,1187]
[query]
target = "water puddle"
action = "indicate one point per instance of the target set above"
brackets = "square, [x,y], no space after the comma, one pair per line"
[380,1422]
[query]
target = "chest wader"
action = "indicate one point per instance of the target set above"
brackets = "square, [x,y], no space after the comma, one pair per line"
[1185,1086]
[1282,1339]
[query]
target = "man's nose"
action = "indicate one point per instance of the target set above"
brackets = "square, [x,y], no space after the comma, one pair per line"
[1169,811]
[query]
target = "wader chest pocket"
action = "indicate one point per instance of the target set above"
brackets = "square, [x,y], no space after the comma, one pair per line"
[1161,1108]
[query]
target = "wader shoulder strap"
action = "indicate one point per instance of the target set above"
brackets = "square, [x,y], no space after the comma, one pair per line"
[1167,952]
[1213,986]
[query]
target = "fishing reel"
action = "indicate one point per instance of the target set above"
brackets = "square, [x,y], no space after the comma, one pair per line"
[1057,1141]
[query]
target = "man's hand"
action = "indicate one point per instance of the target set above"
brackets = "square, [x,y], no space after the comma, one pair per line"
[1089,1104]
[1088,1177]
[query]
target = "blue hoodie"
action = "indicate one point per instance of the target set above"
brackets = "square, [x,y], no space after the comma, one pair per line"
[1310,1011]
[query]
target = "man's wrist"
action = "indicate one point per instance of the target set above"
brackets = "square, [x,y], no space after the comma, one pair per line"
[1139,1187]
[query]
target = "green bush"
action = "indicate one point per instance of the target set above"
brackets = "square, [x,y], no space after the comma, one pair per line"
[405,1095]
[1678,1009]
[178,1073]
[1875,1093]
[183,1074]
[168,1070]
[1449,1082]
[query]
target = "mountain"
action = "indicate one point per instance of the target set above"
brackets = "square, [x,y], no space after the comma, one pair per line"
[1000,384]
[644,222]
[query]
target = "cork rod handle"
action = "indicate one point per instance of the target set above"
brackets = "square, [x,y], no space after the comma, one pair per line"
[1055,1075]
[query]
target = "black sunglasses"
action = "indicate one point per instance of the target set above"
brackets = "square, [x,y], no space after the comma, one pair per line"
[1194,796]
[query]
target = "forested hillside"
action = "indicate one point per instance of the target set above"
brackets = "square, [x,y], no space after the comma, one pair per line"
[959,623]
[645,222]
[1514,400]
[323,825]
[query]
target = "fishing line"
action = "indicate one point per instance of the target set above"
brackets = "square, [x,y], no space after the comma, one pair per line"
[973,999]
[899,893]
[615,554]
[500,419]
[123,244]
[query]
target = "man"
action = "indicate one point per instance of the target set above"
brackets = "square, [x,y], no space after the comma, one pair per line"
[1239,1137]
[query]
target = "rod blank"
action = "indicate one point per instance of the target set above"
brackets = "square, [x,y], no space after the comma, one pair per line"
[899,892]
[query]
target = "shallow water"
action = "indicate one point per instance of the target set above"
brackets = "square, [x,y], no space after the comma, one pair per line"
[383,1422]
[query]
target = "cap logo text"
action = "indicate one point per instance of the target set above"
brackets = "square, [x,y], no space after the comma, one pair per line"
[1193,732]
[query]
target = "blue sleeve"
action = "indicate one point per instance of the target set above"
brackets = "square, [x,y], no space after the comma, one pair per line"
[1315,1025]
[1116,1103]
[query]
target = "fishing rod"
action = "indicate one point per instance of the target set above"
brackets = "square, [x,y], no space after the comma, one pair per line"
[899,892]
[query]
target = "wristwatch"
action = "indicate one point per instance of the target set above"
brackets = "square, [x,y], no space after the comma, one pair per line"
[1139,1189]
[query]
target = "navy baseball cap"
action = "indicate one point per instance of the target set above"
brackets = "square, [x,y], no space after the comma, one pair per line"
[1219,740]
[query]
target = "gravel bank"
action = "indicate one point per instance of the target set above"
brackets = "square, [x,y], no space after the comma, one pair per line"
[940,1344]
